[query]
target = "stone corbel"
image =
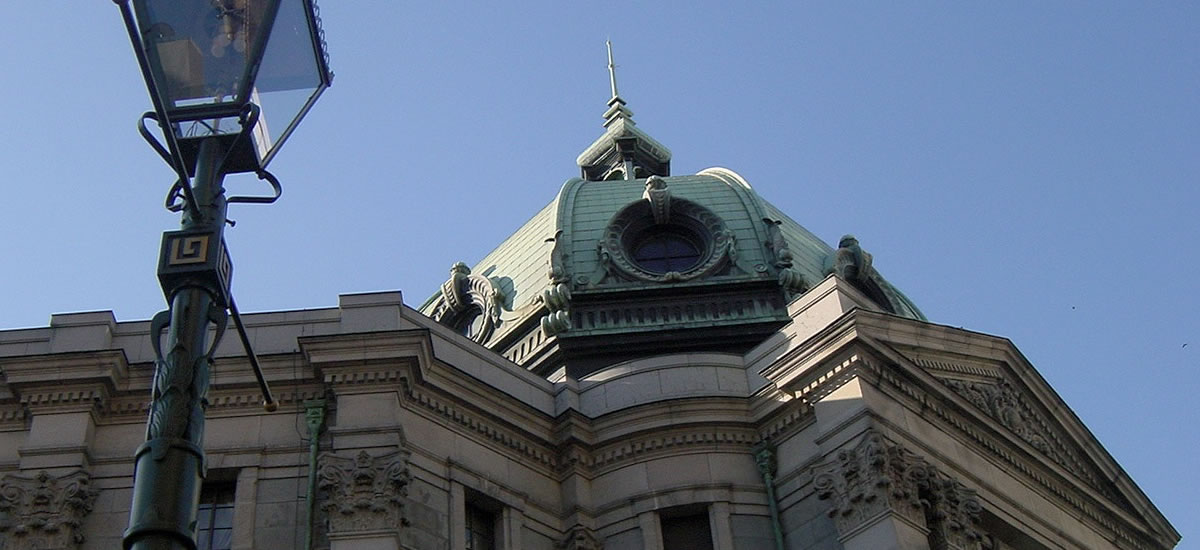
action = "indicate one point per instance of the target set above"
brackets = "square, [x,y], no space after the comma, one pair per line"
[364,494]
[45,511]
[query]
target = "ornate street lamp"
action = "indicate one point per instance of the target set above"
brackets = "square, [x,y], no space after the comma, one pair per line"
[215,70]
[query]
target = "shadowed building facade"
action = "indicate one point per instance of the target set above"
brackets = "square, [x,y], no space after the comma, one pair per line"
[653,361]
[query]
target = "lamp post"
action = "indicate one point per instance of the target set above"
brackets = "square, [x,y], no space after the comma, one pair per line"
[214,69]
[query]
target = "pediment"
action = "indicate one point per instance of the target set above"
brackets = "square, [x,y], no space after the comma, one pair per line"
[989,383]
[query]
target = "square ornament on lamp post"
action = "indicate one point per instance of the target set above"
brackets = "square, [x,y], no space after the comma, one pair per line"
[223,68]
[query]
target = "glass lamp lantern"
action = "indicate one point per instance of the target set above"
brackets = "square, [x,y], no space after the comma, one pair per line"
[220,68]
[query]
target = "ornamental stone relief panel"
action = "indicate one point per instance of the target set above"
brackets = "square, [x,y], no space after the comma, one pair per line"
[1005,404]
[44,511]
[364,493]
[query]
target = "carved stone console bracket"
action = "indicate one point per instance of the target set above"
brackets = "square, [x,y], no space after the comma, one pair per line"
[44,511]
[364,493]
[876,477]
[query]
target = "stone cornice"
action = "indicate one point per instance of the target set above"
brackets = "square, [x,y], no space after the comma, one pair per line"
[798,364]
[66,382]
[110,366]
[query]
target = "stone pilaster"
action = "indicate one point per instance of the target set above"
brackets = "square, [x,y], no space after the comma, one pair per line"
[44,511]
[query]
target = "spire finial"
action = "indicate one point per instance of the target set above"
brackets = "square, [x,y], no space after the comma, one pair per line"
[612,69]
[616,106]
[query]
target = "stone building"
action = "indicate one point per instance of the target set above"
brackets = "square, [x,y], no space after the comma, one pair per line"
[652,362]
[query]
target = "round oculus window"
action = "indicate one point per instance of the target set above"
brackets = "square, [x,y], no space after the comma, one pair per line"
[666,249]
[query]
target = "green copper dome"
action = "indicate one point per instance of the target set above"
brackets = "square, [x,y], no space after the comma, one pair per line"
[628,261]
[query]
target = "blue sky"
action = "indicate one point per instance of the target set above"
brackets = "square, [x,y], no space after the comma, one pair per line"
[1021,169]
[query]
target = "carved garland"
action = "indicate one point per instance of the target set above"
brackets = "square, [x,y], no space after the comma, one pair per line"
[45,511]
[719,247]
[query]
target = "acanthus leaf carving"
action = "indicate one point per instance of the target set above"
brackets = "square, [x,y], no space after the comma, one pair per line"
[870,478]
[45,511]
[877,475]
[953,516]
[364,493]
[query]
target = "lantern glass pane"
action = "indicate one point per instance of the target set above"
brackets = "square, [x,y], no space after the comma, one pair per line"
[198,49]
[291,77]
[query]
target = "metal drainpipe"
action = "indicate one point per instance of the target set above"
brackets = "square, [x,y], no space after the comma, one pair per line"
[314,414]
[764,456]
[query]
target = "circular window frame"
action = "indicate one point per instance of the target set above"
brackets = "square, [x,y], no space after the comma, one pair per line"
[635,222]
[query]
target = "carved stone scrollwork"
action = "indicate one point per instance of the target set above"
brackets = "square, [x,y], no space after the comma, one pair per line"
[1003,403]
[790,278]
[659,197]
[853,264]
[469,303]
[45,511]
[558,260]
[579,538]
[871,478]
[556,298]
[364,493]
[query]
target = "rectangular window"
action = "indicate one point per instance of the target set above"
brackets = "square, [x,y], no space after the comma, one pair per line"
[214,522]
[688,531]
[481,528]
